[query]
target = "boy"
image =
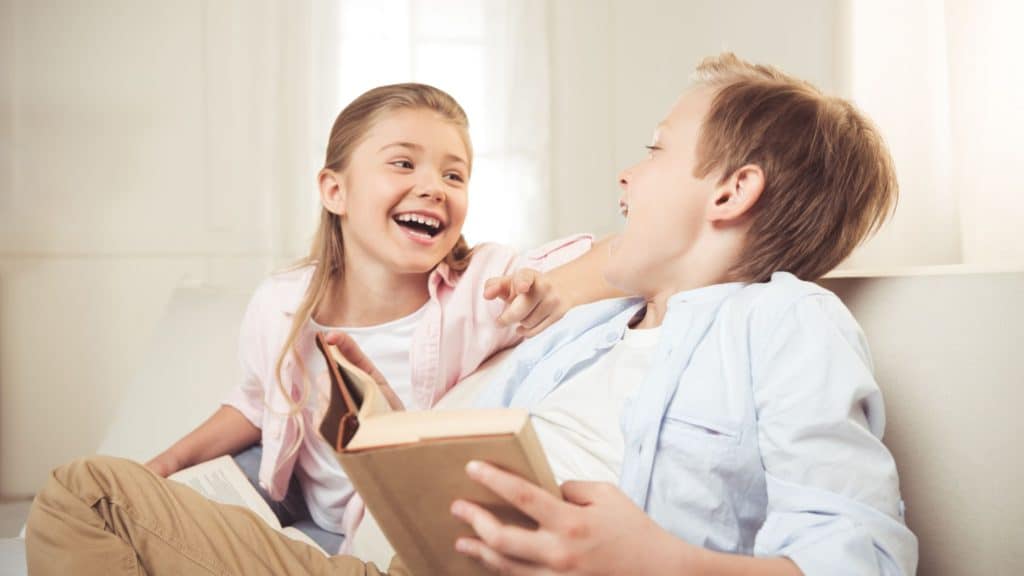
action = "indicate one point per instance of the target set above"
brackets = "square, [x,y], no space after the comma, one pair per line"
[749,422]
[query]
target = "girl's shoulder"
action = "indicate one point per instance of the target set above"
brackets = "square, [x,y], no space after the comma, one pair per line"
[283,290]
[487,260]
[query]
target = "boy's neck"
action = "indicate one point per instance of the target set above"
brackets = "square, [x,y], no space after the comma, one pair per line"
[363,296]
[708,264]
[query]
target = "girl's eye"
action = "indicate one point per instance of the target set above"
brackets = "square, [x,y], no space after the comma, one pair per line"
[402,164]
[455,176]
[651,149]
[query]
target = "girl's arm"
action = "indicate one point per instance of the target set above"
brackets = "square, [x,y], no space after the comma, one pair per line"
[582,280]
[226,432]
[536,300]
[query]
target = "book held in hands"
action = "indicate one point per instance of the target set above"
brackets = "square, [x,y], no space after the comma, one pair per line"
[409,467]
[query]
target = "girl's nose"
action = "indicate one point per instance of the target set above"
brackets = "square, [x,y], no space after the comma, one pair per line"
[433,189]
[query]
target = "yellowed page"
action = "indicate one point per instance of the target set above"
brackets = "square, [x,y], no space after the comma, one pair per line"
[374,401]
[397,428]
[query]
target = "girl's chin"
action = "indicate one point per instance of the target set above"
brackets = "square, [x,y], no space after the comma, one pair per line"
[412,263]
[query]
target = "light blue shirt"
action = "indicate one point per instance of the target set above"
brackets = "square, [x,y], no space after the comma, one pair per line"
[757,429]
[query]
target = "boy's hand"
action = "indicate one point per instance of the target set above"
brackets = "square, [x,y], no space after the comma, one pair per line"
[350,350]
[533,301]
[596,530]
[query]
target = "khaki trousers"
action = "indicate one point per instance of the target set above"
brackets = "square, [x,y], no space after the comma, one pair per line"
[109,516]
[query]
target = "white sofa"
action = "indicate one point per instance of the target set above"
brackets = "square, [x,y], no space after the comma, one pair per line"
[944,345]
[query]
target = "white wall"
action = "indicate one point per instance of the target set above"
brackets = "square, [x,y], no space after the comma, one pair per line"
[145,144]
[939,78]
[617,67]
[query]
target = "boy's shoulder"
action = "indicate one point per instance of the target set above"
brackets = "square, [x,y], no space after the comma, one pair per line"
[766,304]
[782,289]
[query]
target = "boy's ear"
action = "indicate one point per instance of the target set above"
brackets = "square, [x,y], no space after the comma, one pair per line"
[332,191]
[737,195]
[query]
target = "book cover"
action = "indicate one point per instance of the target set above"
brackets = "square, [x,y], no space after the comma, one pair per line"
[409,467]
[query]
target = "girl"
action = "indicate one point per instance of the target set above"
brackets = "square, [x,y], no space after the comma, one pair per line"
[390,267]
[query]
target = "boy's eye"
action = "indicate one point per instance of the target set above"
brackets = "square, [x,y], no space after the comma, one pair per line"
[651,149]
[455,176]
[402,164]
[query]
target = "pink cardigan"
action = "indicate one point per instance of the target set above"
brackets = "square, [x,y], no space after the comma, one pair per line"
[456,309]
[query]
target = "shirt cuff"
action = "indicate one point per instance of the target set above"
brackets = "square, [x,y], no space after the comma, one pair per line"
[829,544]
[557,252]
[244,403]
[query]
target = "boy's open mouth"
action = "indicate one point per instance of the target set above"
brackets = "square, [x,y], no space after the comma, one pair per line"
[419,224]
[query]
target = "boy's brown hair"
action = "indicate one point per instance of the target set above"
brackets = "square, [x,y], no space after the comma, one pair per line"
[829,179]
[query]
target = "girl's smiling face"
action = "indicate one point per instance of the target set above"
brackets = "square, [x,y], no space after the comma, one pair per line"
[402,197]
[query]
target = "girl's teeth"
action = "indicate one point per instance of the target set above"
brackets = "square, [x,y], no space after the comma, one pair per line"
[426,221]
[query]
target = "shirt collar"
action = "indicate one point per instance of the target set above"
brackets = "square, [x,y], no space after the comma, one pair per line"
[712,294]
[445,273]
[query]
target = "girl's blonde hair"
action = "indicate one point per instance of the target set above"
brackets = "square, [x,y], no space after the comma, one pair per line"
[327,251]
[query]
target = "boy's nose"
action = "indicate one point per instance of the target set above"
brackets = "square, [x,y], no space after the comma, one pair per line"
[624,177]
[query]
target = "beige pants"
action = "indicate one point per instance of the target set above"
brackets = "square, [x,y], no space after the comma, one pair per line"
[109,516]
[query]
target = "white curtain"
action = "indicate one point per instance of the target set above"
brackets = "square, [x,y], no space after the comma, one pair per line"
[944,82]
[492,56]
[145,145]
[271,70]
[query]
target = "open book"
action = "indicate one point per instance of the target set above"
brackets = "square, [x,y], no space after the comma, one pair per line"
[221,480]
[409,467]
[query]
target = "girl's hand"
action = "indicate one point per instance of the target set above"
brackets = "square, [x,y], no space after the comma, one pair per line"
[534,302]
[350,350]
[596,530]
[164,465]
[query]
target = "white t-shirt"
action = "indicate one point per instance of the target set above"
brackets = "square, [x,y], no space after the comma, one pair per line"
[578,423]
[323,482]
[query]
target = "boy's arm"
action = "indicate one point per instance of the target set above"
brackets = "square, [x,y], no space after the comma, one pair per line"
[596,530]
[538,299]
[833,490]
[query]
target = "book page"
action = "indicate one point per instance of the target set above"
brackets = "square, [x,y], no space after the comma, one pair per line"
[361,385]
[397,428]
[221,480]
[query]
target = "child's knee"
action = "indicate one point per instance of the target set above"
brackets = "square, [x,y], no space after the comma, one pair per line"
[71,487]
[94,477]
